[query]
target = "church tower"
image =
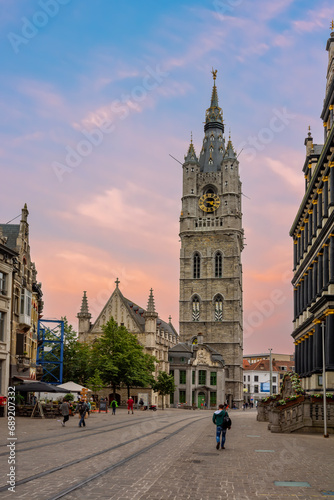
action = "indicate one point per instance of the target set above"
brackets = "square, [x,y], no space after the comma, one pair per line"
[211,236]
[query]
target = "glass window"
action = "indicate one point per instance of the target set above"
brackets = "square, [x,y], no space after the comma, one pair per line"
[213,398]
[171,400]
[197,266]
[256,378]
[274,389]
[213,378]
[19,343]
[218,265]
[256,389]
[248,378]
[195,309]
[219,308]
[2,326]
[3,290]
[193,378]
[171,372]
[183,376]
[202,377]
[182,396]
[274,379]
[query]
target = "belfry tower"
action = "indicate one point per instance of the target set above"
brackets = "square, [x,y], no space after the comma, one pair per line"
[211,236]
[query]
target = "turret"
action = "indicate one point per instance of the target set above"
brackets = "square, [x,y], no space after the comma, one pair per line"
[150,316]
[84,317]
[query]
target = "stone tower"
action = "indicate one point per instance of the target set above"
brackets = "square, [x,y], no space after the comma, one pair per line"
[211,236]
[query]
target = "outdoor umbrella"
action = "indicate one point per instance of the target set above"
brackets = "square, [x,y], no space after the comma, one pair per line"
[39,387]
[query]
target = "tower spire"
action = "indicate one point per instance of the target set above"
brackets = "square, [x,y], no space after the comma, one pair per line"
[214,116]
[191,155]
[150,304]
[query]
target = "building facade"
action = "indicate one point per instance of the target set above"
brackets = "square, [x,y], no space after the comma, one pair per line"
[154,334]
[212,237]
[257,375]
[313,240]
[20,302]
[198,373]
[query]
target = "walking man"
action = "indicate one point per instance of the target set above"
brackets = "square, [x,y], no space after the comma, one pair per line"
[82,408]
[65,411]
[218,418]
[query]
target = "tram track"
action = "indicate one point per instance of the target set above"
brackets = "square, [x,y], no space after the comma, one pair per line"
[101,452]
[87,434]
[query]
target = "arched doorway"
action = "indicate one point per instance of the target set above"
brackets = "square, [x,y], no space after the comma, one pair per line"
[117,397]
[201,400]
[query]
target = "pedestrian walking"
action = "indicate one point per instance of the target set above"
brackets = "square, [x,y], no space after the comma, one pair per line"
[130,404]
[65,411]
[114,405]
[82,409]
[218,420]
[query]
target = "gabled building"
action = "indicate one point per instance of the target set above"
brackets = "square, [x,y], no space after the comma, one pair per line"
[154,334]
[313,240]
[25,296]
[212,240]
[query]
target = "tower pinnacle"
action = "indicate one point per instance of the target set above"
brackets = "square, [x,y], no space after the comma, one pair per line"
[150,304]
[214,117]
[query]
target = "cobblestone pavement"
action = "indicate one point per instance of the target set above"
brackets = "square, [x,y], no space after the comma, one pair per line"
[183,465]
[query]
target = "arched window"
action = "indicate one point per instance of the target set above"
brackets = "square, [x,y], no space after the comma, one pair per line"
[218,308]
[197,265]
[218,265]
[195,309]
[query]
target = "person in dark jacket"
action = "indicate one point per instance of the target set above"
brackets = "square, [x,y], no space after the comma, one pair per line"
[218,418]
[65,411]
[114,405]
[82,409]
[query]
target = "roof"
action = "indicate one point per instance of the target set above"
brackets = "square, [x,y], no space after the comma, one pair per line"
[262,365]
[11,232]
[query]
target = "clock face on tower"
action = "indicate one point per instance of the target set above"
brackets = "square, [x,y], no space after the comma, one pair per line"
[209,202]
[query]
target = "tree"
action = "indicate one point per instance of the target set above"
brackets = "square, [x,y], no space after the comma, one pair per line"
[95,382]
[120,359]
[164,385]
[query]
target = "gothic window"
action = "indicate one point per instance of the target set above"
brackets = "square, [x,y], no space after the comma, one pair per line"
[218,308]
[192,169]
[225,167]
[197,265]
[187,170]
[231,167]
[195,309]
[192,191]
[218,265]
[225,183]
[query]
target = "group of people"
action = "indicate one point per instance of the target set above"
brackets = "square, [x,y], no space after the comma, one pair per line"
[220,417]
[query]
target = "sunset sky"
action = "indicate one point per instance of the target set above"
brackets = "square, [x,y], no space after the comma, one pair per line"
[106,204]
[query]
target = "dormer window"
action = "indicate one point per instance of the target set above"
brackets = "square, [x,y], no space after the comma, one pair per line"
[220,138]
[212,137]
[210,161]
[221,149]
[211,148]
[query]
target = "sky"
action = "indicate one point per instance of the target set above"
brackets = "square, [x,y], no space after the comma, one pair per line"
[96,96]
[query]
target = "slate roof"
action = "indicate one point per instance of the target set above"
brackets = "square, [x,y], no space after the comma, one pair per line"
[11,232]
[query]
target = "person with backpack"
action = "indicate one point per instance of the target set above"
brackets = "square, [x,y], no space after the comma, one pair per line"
[223,422]
[114,405]
[82,408]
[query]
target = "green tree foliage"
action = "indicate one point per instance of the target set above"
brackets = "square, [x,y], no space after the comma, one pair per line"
[164,385]
[120,359]
[95,382]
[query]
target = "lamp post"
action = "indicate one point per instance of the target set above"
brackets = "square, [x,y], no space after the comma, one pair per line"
[271,372]
[324,378]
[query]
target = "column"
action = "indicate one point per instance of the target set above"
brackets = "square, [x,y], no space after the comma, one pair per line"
[309,283]
[310,353]
[307,355]
[303,358]
[310,227]
[319,191]
[295,254]
[306,233]
[317,346]
[296,357]
[331,184]
[177,384]
[315,281]
[302,241]
[295,296]
[320,272]
[315,217]
[325,180]
[306,278]
[329,341]
[326,265]
[331,256]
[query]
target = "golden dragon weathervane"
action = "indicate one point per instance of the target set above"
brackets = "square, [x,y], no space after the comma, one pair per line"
[214,74]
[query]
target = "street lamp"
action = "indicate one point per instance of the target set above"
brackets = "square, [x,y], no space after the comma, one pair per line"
[324,378]
[271,372]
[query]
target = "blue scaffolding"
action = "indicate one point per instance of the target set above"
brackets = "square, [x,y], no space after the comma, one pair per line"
[50,349]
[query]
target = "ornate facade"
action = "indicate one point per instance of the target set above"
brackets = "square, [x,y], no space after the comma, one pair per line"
[156,335]
[211,244]
[313,237]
